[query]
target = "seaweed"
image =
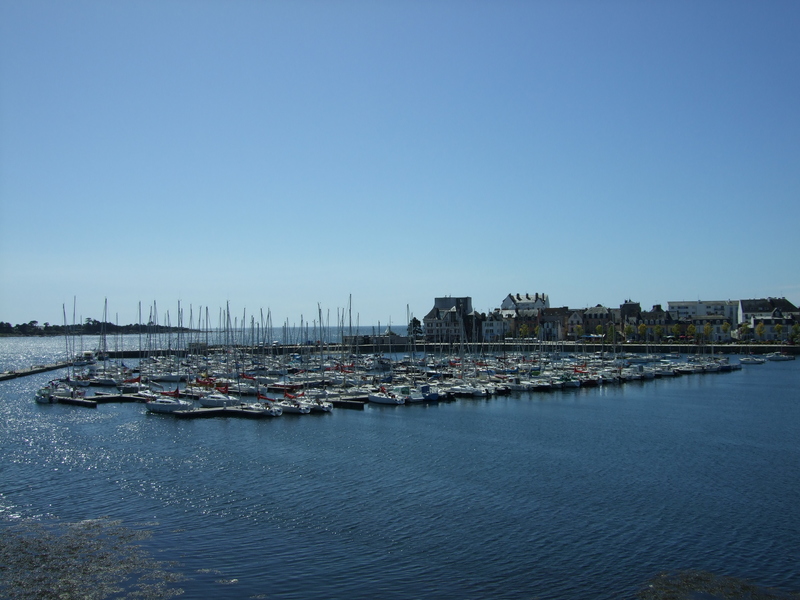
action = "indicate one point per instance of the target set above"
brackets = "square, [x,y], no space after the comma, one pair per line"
[92,559]
[702,585]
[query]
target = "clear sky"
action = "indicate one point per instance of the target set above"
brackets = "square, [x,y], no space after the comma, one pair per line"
[285,155]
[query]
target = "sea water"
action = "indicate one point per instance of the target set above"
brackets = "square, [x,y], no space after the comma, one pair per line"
[580,493]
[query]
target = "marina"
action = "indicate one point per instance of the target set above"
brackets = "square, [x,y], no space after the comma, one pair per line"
[441,300]
[246,383]
[583,491]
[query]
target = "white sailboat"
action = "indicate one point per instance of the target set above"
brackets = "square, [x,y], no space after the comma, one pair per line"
[167,404]
[396,395]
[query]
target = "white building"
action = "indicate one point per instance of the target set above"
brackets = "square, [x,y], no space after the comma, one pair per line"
[515,306]
[762,308]
[494,327]
[690,309]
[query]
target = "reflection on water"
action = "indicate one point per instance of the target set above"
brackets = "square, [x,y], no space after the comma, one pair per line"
[583,494]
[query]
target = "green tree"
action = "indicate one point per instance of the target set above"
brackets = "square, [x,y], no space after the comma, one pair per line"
[599,330]
[726,327]
[579,331]
[744,331]
[610,333]
[795,332]
[778,331]
[628,331]
[524,330]
[760,329]
[659,332]
[691,331]
[676,330]
[707,332]
[642,331]
[414,327]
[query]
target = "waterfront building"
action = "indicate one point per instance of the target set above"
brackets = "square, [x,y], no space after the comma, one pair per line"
[520,302]
[449,320]
[494,327]
[717,323]
[554,324]
[629,312]
[689,309]
[522,311]
[597,316]
[655,319]
[763,308]
[776,327]
[574,321]
[628,318]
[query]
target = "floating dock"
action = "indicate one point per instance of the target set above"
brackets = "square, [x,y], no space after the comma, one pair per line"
[222,411]
[85,402]
[107,398]
[352,404]
[32,371]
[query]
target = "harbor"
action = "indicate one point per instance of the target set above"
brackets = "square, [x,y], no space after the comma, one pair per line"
[246,383]
[536,479]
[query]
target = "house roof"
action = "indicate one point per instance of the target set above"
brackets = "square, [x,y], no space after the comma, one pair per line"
[767,305]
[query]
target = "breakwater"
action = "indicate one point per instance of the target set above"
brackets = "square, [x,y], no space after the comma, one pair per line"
[32,371]
[477,349]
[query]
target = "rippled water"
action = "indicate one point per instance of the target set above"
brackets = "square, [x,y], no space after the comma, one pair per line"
[576,494]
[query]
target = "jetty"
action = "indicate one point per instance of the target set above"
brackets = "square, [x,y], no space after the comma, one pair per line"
[35,370]
[108,397]
[221,411]
[352,404]
[84,402]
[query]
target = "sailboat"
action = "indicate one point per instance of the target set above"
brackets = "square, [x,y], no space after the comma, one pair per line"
[169,402]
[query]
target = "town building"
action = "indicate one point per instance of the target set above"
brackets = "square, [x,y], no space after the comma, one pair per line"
[767,319]
[513,303]
[494,327]
[689,309]
[521,313]
[658,323]
[575,326]
[764,307]
[554,323]
[718,324]
[450,320]
[597,319]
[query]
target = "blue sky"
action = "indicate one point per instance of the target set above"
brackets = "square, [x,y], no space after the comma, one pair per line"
[287,155]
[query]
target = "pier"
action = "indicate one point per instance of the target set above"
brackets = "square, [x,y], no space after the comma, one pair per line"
[221,411]
[84,402]
[108,398]
[32,371]
[498,347]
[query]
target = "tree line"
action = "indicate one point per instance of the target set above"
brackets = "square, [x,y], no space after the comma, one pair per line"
[89,327]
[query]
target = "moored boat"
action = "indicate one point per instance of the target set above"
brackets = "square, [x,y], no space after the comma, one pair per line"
[219,400]
[777,356]
[394,396]
[167,404]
